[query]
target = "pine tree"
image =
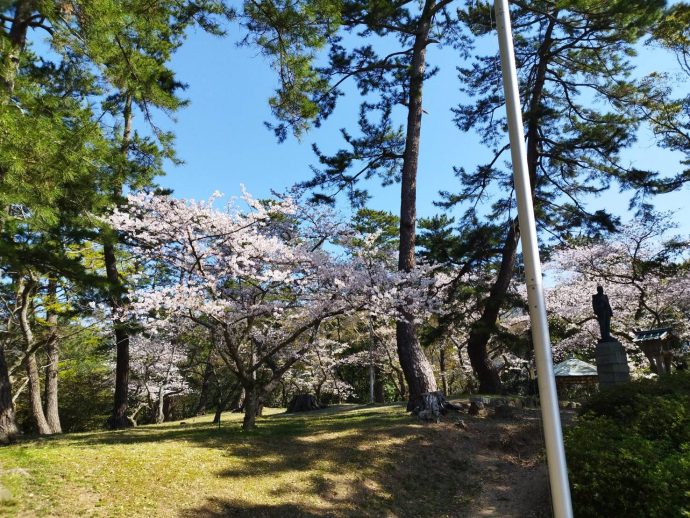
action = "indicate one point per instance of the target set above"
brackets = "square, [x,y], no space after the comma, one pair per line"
[574,66]
[61,158]
[293,34]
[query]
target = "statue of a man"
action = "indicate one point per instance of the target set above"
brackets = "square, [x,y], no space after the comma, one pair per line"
[602,309]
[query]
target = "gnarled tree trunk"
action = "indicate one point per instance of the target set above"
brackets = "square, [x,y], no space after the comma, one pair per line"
[25,292]
[483,328]
[35,396]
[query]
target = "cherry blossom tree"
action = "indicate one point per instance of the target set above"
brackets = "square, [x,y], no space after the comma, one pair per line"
[155,368]
[317,371]
[260,279]
[645,274]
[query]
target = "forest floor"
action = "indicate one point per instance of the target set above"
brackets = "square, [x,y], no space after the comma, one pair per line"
[343,461]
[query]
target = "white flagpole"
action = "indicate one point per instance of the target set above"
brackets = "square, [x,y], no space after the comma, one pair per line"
[553,435]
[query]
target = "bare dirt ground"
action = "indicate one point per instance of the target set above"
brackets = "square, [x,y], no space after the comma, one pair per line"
[509,462]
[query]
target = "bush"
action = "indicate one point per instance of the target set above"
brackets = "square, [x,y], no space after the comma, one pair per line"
[629,452]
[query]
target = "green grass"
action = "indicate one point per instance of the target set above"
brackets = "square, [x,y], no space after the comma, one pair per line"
[342,461]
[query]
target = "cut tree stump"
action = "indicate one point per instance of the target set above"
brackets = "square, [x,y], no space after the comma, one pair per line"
[303,403]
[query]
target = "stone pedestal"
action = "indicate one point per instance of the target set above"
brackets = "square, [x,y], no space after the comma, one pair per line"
[612,364]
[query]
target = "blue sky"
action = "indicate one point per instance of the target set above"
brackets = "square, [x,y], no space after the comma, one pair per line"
[222,138]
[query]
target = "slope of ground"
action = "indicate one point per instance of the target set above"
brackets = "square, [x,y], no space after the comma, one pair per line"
[342,461]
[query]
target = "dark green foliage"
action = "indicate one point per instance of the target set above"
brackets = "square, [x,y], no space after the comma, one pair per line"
[629,453]
[85,382]
[322,47]
[575,73]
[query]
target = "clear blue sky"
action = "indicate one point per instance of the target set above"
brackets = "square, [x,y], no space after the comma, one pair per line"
[223,141]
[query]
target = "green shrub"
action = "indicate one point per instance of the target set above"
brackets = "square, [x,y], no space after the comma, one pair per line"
[629,452]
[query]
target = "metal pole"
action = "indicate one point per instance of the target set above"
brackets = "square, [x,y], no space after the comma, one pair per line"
[553,435]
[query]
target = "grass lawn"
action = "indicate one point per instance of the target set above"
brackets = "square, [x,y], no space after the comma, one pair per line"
[341,461]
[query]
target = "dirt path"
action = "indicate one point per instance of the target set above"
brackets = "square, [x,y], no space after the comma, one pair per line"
[509,462]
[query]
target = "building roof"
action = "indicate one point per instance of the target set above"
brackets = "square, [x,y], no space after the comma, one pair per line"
[652,334]
[574,367]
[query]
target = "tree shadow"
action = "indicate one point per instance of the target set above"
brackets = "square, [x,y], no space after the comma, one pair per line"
[340,462]
[216,508]
[374,464]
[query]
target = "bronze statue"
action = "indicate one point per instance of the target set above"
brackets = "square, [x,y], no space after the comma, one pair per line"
[602,309]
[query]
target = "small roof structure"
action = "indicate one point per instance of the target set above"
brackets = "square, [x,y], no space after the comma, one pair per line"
[573,368]
[651,335]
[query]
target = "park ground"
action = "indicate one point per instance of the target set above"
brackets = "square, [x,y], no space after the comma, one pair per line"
[343,461]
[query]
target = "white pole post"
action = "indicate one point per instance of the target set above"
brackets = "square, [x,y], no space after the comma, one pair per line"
[553,435]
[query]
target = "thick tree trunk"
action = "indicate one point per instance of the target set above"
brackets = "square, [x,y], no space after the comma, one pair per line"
[415,365]
[118,419]
[303,403]
[53,357]
[52,408]
[483,328]
[251,408]
[35,396]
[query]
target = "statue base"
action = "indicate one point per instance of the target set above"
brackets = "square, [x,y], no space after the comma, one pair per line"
[612,364]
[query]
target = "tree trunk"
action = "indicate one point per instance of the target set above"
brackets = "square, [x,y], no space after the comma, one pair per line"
[160,411]
[415,365]
[302,403]
[118,419]
[483,328]
[442,368]
[251,408]
[379,395]
[8,425]
[25,292]
[17,41]
[233,395]
[35,396]
[53,357]
[52,408]
[205,387]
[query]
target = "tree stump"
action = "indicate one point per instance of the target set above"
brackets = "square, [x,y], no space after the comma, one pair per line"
[303,403]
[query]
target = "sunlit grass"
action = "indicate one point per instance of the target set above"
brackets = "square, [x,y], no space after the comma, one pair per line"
[342,461]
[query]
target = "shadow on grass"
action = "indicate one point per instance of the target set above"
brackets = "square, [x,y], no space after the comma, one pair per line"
[347,461]
[369,463]
[218,507]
